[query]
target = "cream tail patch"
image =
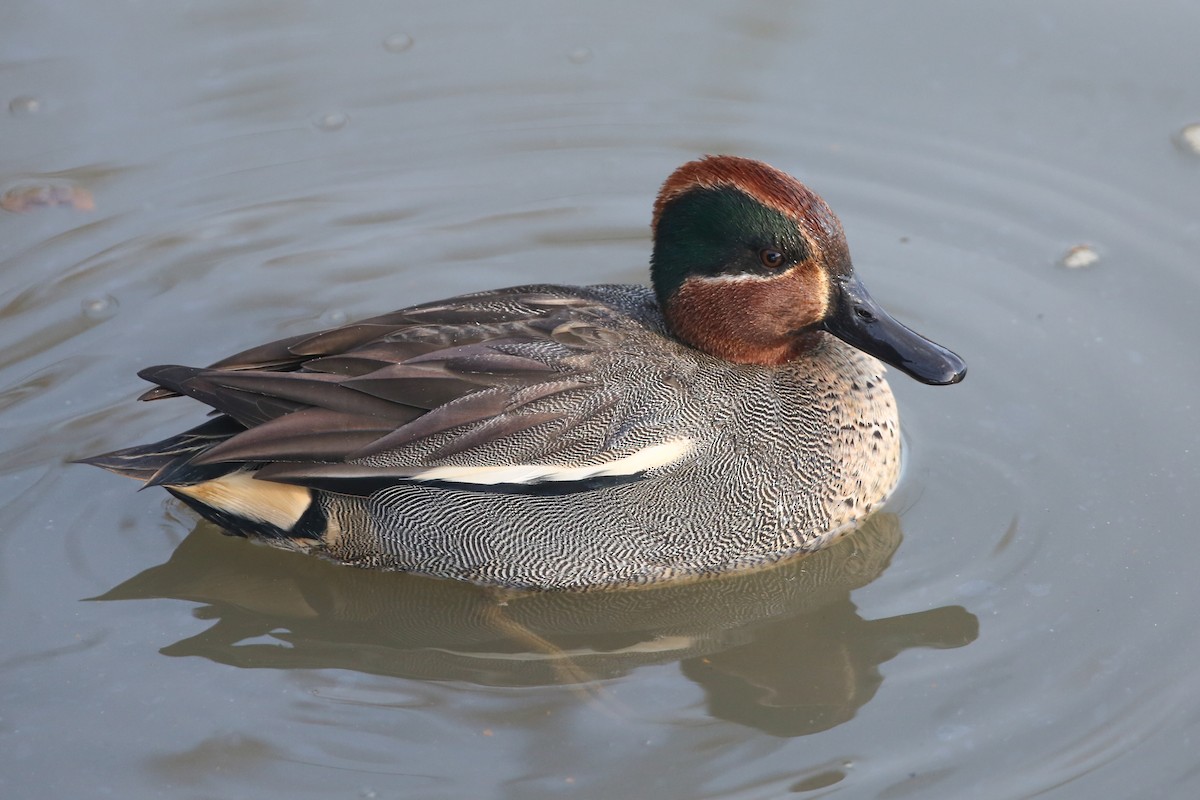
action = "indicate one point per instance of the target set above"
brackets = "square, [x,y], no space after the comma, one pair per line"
[240,494]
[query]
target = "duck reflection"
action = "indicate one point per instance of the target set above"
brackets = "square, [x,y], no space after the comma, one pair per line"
[782,649]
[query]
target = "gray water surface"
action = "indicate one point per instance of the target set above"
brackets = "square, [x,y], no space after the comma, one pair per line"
[180,181]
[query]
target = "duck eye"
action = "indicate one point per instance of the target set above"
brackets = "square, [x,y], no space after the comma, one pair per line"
[770,258]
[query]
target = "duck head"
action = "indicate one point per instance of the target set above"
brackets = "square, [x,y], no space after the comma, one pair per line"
[751,266]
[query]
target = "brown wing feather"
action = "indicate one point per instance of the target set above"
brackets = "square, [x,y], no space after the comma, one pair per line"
[478,362]
[311,434]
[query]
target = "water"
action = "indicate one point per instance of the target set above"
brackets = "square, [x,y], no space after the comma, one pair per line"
[1019,623]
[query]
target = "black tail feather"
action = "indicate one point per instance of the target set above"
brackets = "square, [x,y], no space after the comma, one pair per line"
[167,460]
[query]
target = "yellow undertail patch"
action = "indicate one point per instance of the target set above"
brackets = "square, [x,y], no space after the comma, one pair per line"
[240,494]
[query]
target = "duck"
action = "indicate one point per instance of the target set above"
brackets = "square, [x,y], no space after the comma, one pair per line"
[733,414]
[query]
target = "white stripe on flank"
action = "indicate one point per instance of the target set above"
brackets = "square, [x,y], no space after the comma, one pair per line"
[658,455]
[241,495]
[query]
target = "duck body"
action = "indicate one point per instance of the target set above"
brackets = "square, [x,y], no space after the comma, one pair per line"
[562,437]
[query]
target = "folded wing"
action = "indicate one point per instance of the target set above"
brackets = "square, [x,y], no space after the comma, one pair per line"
[489,389]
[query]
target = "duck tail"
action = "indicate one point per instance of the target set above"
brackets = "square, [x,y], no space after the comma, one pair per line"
[225,493]
[167,461]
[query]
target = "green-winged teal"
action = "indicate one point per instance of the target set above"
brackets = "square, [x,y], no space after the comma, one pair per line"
[571,437]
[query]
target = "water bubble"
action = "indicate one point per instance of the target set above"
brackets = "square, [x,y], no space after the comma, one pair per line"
[397,43]
[1081,255]
[1189,138]
[25,104]
[332,121]
[334,317]
[579,55]
[99,307]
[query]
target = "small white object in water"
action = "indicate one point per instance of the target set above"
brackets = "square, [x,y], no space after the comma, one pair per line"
[579,55]
[1081,255]
[334,317]
[397,43]
[1189,138]
[25,104]
[100,307]
[333,121]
